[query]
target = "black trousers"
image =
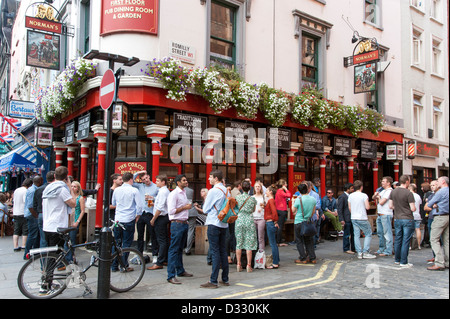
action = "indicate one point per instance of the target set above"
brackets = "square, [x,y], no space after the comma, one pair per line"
[305,245]
[143,221]
[162,236]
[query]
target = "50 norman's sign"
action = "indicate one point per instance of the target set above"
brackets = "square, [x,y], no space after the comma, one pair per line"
[43,18]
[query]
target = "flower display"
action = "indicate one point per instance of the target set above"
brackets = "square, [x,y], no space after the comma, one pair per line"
[274,104]
[60,95]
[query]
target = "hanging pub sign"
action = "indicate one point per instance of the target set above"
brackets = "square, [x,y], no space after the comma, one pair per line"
[43,50]
[84,124]
[69,136]
[119,117]
[187,125]
[366,51]
[365,78]
[129,16]
[342,146]
[43,136]
[43,18]
[312,142]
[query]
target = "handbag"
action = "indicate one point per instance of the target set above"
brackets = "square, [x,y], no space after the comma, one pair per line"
[308,227]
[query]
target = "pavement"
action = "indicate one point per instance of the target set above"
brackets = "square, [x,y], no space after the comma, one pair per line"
[335,276]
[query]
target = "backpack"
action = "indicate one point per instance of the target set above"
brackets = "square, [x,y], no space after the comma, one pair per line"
[229,211]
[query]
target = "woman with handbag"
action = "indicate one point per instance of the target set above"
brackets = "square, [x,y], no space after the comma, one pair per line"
[304,226]
[245,230]
[271,217]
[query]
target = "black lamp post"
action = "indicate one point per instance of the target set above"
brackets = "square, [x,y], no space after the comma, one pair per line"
[104,270]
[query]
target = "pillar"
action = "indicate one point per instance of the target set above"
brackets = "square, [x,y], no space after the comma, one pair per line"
[213,138]
[156,133]
[84,154]
[71,158]
[290,162]
[396,170]
[59,148]
[253,157]
[351,162]
[100,135]
[322,167]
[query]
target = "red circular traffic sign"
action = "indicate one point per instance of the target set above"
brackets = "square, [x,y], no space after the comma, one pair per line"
[107,89]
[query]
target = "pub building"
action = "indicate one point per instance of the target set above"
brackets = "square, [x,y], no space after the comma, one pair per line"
[144,121]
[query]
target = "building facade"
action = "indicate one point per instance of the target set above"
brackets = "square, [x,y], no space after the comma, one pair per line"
[288,46]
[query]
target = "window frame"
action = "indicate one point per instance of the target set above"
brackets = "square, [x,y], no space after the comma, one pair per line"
[417,114]
[377,20]
[417,38]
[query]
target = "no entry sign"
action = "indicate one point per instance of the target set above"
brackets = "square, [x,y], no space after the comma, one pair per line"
[107,89]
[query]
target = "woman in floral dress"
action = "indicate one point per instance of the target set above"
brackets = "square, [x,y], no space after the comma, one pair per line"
[245,230]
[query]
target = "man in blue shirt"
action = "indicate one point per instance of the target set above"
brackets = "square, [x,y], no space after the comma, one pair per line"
[148,191]
[33,226]
[217,231]
[440,225]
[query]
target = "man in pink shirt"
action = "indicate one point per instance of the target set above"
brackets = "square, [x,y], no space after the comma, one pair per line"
[281,204]
[178,206]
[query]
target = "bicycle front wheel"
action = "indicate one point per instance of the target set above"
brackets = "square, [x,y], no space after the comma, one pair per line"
[127,269]
[40,278]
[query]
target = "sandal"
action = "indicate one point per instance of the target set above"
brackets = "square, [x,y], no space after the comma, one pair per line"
[249,268]
[273,267]
[238,268]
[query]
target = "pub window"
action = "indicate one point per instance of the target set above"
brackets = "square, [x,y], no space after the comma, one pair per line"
[86,16]
[92,166]
[310,63]
[223,35]
[132,143]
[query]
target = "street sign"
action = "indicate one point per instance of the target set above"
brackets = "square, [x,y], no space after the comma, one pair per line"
[107,89]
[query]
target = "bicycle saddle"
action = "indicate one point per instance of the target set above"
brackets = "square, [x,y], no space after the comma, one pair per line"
[64,230]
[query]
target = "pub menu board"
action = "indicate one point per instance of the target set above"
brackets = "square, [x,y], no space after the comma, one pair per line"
[312,142]
[368,149]
[282,136]
[239,133]
[84,126]
[342,146]
[69,137]
[187,125]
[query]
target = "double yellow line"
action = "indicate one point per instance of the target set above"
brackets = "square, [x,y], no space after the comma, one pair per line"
[276,288]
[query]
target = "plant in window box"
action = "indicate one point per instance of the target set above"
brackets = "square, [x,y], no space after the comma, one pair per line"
[356,119]
[337,115]
[173,76]
[320,113]
[60,95]
[375,121]
[212,88]
[302,112]
[245,98]
[275,104]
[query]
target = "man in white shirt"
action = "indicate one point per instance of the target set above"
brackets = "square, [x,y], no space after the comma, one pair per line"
[358,204]
[128,204]
[20,222]
[57,204]
[160,221]
[384,219]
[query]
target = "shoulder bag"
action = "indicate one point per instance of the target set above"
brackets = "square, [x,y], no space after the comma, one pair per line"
[307,227]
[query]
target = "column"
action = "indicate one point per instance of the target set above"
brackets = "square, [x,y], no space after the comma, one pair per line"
[156,133]
[322,167]
[213,138]
[100,135]
[84,160]
[375,171]
[59,148]
[290,162]
[253,157]
[71,158]
[351,161]
[396,170]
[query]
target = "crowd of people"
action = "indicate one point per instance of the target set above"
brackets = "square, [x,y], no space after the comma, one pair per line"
[171,216]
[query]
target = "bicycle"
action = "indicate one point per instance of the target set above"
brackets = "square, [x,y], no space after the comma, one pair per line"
[47,272]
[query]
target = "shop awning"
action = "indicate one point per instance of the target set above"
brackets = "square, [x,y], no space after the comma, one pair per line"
[23,158]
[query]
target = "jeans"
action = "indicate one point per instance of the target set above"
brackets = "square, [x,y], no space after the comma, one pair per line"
[363,225]
[124,239]
[271,233]
[43,242]
[178,237]
[282,215]
[348,240]
[384,231]
[73,239]
[33,234]
[145,220]
[217,245]
[162,238]
[404,229]
[305,245]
